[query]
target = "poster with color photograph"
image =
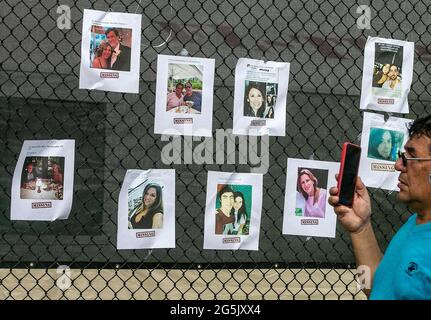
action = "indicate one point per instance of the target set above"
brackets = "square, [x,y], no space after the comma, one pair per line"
[110,51]
[387,75]
[146,210]
[184,97]
[233,211]
[306,208]
[260,97]
[380,143]
[42,186]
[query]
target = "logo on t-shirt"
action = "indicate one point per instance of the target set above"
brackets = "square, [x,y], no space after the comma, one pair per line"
[412,268]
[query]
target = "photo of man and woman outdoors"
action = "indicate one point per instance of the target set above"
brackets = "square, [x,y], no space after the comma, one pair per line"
[185,85]
[145,206]
[384,144]
[233,209]
[110,48]
[260,99]
[42,178]
[311,193]
[387,72]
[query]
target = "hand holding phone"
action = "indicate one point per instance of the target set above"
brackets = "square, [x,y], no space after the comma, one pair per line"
[349,166]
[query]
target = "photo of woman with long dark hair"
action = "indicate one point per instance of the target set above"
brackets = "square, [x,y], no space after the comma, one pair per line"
[384,144]
[239,212]
[255,99]
[149,213]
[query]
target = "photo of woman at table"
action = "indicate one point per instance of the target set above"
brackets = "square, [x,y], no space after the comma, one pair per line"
[45,183]
[28,175]
[57,174]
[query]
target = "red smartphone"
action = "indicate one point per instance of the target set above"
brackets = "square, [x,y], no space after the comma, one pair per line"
[349,166]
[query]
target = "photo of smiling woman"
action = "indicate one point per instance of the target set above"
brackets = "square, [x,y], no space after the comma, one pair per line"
[148,214]
[241,221]
[103,56]
[254,99]
[384,144]
[311,198]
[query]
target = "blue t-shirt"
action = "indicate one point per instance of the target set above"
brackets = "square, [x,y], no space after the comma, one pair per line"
[196,97]
[405,270]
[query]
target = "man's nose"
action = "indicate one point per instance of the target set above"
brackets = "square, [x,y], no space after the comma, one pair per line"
[399,166]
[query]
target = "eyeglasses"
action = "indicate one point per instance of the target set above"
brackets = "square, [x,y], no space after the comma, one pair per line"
[188,87]
[404,158]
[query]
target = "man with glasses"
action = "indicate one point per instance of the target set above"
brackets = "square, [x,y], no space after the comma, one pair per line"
[194,96]
[404,271]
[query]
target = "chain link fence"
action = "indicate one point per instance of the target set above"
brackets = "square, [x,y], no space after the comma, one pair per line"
[40,99]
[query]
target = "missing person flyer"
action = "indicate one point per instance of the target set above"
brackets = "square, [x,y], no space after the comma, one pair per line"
[184,96]
[146,210]
[306,208]
[381,141]
[42,186]
[233,211]
[260,97]
[387,75]
[110,51]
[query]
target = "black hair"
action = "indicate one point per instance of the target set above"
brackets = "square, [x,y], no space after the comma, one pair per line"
[256,85]
[376,140]
[262,89]
[242,211]
[421,126]
[158,204]
[115,30]
[224,190]
[179,84]
[55,163]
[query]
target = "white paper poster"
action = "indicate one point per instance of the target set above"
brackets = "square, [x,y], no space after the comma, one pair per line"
[387,75]
[233,211]
[146,210]
[306,208]
[184,97]
[260,97]
[380,144]
[110,51]
[42,186]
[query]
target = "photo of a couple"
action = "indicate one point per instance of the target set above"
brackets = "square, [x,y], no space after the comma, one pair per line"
[387,72]
[185,85]
[233,209]
[42,178]
[110,48]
